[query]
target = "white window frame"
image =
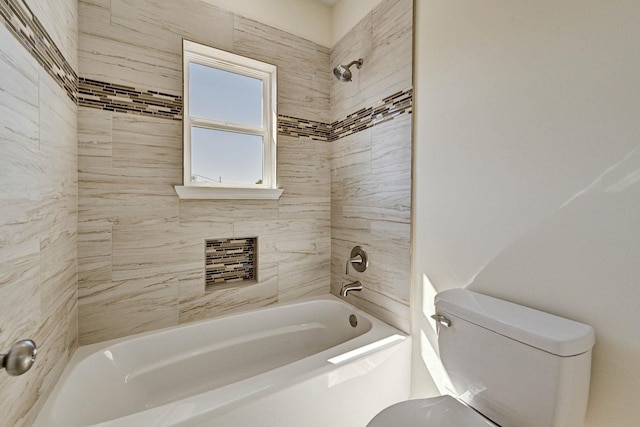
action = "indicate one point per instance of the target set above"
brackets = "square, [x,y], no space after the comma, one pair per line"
[226,61]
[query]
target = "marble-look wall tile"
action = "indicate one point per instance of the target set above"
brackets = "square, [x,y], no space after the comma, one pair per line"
[140,245]
[355,190]
[148,143]
[371,205]
[127,170]
[94,16]
[392,37]
[304,277]
[350,156]
[390,154]
[286,240]
[94,139]
[382,307]
[304,171]
[196,304]
[20,291]
[107,196]
[108,60]
[209,211]
[22,162]
[60,20]
[139,43]
[371,169]
[132,306]
[94,256]
[38,219]
[384,40]
[162,25]
[58,126]
[347,97]
[28,29]
[302,67]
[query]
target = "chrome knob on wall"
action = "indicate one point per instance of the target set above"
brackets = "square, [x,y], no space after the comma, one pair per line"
[358,260]
[20,357]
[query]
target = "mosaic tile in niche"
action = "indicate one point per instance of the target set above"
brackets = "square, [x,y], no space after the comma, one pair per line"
[230,261]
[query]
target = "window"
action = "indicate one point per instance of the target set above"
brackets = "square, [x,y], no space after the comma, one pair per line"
[229,125]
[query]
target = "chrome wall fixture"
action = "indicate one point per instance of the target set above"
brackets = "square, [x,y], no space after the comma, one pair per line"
[358,260]
[350,287]
[20,357]
[343,73]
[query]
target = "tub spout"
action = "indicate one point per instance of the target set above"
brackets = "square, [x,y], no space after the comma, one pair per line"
[348,287]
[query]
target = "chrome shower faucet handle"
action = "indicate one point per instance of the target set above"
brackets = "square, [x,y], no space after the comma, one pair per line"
[358,260]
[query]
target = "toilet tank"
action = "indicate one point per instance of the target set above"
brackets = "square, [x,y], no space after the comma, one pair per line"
[517,366]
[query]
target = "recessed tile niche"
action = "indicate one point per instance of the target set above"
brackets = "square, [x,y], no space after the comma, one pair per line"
[230,262]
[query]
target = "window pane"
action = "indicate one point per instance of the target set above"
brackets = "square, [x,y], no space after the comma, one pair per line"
[225,157]
[224,96]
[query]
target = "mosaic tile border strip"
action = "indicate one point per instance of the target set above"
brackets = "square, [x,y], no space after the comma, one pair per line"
[295,127]
[25,26]
[387,109]
[390,107]
[127,99]
[229,261]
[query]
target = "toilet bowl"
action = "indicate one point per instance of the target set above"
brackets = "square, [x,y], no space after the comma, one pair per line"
[441,411]
[507,365]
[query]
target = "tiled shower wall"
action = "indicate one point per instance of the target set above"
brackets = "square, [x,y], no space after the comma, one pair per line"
[371,169]
[38,200]
[141,249]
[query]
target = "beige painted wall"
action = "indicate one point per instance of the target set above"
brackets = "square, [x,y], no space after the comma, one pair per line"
[38,214]
[371,169]
[309,19]
[141,249]
[526,172]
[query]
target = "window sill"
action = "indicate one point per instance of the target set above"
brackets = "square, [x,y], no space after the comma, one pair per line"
[227,193]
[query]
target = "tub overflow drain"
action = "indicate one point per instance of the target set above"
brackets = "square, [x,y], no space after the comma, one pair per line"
[353,320]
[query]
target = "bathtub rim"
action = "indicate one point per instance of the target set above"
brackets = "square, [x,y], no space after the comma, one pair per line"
[84,351]
[378,331]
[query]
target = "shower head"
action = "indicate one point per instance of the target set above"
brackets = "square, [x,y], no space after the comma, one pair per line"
[343,73]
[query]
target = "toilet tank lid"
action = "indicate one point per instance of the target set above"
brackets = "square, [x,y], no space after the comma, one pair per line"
[553,334]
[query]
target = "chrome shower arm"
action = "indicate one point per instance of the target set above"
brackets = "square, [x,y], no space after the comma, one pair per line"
[357,62]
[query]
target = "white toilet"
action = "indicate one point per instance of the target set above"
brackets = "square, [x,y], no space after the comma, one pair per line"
[508,365]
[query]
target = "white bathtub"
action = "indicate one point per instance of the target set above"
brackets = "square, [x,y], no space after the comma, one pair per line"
[300,364]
